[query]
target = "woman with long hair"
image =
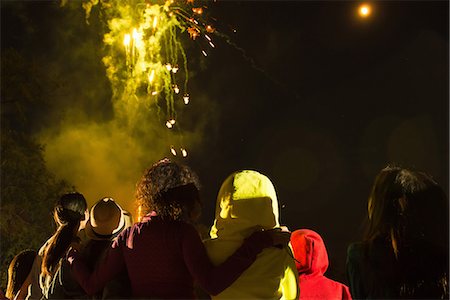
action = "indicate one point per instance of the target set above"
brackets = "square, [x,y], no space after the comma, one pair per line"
[163,253]
[50,274]
[18,271]
[404,253]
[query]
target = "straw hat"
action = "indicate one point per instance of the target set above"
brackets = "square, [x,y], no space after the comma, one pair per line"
[107,220]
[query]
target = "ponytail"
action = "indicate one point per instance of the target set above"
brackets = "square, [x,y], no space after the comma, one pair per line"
[59,243]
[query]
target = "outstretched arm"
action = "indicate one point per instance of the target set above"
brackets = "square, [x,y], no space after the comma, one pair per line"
[214,279]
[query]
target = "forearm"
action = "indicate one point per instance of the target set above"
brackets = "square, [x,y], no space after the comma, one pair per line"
[216,279]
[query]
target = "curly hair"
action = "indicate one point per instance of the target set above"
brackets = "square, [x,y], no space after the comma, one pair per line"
[155,190]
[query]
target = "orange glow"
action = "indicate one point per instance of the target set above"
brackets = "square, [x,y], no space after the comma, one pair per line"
[198,10]
[364,10]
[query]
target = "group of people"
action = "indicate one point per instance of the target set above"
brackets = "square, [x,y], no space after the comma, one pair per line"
[102,254]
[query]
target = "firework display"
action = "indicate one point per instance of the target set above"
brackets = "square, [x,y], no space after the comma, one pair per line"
[146,62]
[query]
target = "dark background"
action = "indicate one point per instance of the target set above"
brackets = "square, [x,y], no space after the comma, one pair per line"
[335,99]
[311,95]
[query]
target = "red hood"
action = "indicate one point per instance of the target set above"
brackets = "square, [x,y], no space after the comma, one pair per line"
[311,256]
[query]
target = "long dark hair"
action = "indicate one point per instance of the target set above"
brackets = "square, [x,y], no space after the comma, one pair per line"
[18,271]
[408,214]
[68,212]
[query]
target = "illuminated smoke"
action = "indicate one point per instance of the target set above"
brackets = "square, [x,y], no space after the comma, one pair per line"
[146,65]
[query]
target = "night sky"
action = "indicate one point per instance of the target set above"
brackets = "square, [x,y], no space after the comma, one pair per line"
[312,96]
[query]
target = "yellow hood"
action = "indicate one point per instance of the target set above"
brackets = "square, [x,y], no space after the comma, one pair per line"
[246,199]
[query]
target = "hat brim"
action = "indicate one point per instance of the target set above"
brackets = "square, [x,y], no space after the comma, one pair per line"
[125,221]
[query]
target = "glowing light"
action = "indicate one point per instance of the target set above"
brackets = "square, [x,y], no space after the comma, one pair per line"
[193,32]
[184,152]
[174,152]
[198,10]
[186,99]
[151,77]
[135,34]
[126,40]
[140,73]
[364,10]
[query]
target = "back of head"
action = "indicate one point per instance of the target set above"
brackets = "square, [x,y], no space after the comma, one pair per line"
[311,257]
[168,188]
[70,207]
[406,205]
[408,211]
[69,210]
[18,271]
[246,199]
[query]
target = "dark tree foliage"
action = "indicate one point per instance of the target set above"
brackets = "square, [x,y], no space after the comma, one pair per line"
[28,189]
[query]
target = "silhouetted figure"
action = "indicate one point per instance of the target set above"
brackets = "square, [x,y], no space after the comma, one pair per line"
[247,199]
[18,270]
[106,221]
[163,253]
[311,260]
[404,253]
[50,276]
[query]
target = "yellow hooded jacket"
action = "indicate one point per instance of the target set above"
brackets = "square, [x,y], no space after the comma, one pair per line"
[246,200]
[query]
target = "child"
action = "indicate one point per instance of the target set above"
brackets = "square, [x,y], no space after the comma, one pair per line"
[311,259]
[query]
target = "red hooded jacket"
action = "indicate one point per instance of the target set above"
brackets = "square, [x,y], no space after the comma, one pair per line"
[311,259]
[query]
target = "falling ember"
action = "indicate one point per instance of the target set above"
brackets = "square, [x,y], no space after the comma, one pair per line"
[168,67]
[154,93]
[204,53]
[212,45]
[176,89]
[186,98]
[174,69]
[193,32]
[172,121]
[210,29]
[198,10]
[169,125]
[184,152]
[174,152]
